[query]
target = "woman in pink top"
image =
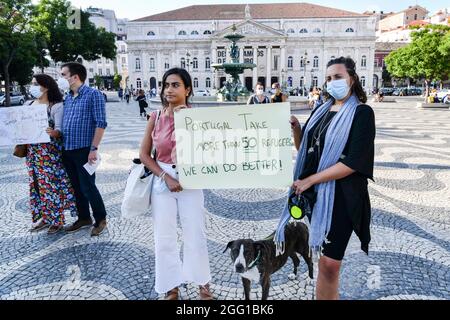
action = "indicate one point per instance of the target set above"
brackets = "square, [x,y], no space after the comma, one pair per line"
[169,198]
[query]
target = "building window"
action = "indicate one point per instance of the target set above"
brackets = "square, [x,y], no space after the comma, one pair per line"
[138,64]
[207,64]
[290,62]
[302,63]
[183,63]
[182,33]
[122,48]
[152,64]
[363,61]
[150,34]
[100,72]
[166,64]
[195,63]
[108,71]
[208,82]
[317,30]
[415,16]
[316,62]
[91,70]
[303,30]
[99,61]
[349,30]
[207,32]
[194,33]
[195,82]
[291,31]
[275,62]
[363,82]
[315,82]
[138,83]
[375,63]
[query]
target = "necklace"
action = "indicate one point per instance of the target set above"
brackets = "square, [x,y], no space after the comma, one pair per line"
[318,131]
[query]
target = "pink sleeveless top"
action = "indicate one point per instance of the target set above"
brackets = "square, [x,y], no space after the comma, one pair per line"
[164,138]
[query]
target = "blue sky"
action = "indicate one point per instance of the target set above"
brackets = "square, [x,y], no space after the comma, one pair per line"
[134,9]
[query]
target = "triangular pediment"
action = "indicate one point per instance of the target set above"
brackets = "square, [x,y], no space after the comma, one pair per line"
[250,28]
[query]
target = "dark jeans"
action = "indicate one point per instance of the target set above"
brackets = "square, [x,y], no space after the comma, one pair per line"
[86,191]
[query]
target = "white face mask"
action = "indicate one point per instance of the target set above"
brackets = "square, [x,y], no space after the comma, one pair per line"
[338,88]
[259,91]
[63,84]
[36,91]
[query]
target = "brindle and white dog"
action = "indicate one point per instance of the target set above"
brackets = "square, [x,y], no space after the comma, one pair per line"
[256,260]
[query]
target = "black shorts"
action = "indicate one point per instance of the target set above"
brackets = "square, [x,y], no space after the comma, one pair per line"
[340,232]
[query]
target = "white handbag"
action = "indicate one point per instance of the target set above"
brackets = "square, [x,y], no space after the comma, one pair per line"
[138,190]
[136,200]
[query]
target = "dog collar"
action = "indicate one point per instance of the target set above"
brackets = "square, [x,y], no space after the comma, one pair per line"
[255,262]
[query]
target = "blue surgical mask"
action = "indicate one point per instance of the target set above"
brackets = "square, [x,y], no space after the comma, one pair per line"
[36,91]
[338,88]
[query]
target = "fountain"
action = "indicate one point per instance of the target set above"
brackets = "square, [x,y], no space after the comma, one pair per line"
[233,90]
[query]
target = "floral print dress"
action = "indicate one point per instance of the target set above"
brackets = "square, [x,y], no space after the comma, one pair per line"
[51,192]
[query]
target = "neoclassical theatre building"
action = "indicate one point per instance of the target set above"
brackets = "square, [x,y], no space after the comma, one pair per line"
[290,43]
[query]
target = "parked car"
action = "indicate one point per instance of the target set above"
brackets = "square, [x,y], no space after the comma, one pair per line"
[387,91]
[202,93]
[441,94]
[16,99]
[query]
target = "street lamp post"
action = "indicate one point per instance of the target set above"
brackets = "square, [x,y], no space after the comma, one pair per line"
[188,59]
[304,61]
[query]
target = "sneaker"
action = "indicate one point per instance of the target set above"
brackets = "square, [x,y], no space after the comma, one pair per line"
[98,228]
[78,225]
[39,226]
[54,229]
[205,292]
[171,294]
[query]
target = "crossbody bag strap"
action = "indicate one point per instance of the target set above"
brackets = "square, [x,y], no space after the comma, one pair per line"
[154,128]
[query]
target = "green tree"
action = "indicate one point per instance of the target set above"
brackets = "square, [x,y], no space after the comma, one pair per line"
[426,57]
[21,68]
[67,42]
[17,35]
[98,81]
[117,80]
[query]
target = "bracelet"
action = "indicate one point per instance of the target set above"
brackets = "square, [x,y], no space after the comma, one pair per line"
[162,175]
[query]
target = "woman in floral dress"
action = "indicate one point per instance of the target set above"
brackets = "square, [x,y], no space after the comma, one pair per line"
[50,190]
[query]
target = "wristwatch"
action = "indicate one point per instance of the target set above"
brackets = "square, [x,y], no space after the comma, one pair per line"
[93,148]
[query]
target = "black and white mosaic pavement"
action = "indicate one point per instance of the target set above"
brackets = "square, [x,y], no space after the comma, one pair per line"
[409,253]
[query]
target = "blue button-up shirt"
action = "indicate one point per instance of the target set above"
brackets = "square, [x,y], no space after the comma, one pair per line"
[82,115]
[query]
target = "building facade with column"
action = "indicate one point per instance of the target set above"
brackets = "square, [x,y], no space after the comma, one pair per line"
[289,43]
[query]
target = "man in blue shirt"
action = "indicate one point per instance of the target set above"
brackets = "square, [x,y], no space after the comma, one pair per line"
[84,123]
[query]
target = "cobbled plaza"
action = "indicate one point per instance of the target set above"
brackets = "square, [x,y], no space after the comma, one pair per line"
[409,254]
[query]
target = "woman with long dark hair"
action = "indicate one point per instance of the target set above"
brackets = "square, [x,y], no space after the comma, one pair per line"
[334,162]
[50,190]
[169,199]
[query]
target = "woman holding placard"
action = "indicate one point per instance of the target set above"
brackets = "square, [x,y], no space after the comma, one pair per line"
[169,199]
[334,162]
[50,190]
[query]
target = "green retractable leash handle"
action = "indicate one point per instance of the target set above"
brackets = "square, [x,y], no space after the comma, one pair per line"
[294,209]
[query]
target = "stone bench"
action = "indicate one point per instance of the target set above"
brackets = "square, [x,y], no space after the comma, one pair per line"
[423,105]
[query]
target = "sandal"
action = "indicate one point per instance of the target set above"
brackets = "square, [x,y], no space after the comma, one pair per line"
[205,292]
[54,229]
[41,225]
[171,294]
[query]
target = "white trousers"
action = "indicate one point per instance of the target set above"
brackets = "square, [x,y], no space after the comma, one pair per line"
[189,205]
